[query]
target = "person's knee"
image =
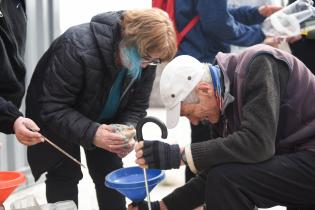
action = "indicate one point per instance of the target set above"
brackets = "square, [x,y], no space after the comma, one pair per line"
[216,176]
[223,175]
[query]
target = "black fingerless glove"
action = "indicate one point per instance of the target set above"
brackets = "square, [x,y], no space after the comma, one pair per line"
[143,205]
[161,155]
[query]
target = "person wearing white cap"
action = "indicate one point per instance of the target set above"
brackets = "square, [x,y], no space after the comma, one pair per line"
[261,105]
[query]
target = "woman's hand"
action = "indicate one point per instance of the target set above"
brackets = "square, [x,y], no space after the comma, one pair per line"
[131,143]
[26,131]
[107,139]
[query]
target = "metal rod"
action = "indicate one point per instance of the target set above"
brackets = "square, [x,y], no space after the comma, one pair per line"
[62,151]
[59,149]
[147,188]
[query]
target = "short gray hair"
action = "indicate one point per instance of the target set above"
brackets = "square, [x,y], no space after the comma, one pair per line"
[192,97]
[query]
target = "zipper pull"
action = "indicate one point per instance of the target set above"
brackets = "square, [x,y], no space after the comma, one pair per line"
[18,3]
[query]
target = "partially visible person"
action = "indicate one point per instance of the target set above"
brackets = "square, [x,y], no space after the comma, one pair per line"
[261,105]
[12,73]
[304,47]
[94,75]
[218,28]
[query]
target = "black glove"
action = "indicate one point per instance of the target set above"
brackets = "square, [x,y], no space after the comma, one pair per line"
[161,155]
[143,205]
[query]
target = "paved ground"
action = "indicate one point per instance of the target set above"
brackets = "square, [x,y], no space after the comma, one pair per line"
[87,199]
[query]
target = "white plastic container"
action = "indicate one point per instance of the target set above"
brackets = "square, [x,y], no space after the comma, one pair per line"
[29,202]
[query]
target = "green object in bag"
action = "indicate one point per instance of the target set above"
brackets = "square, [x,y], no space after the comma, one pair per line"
[308,29]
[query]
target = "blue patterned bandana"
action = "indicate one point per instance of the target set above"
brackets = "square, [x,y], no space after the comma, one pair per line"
[216,80]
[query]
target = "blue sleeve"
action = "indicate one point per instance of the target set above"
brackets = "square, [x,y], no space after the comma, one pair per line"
[247,15]
[216,20]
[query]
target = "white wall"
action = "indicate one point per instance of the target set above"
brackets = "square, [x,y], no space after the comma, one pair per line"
[73,12]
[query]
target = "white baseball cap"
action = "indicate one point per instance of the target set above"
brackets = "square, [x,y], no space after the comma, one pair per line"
[178,79]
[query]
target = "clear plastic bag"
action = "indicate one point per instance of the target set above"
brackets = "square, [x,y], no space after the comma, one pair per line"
[30,203]
[26,203]
[286,22]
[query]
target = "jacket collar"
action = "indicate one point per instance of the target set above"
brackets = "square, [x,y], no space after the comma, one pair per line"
[227,97]
[107,33]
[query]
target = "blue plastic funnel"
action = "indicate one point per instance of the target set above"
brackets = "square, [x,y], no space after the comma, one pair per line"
[130,181]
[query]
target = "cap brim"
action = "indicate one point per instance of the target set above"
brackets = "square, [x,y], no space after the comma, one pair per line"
[172,116]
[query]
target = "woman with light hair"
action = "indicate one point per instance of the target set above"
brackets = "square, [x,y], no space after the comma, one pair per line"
[94,75]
